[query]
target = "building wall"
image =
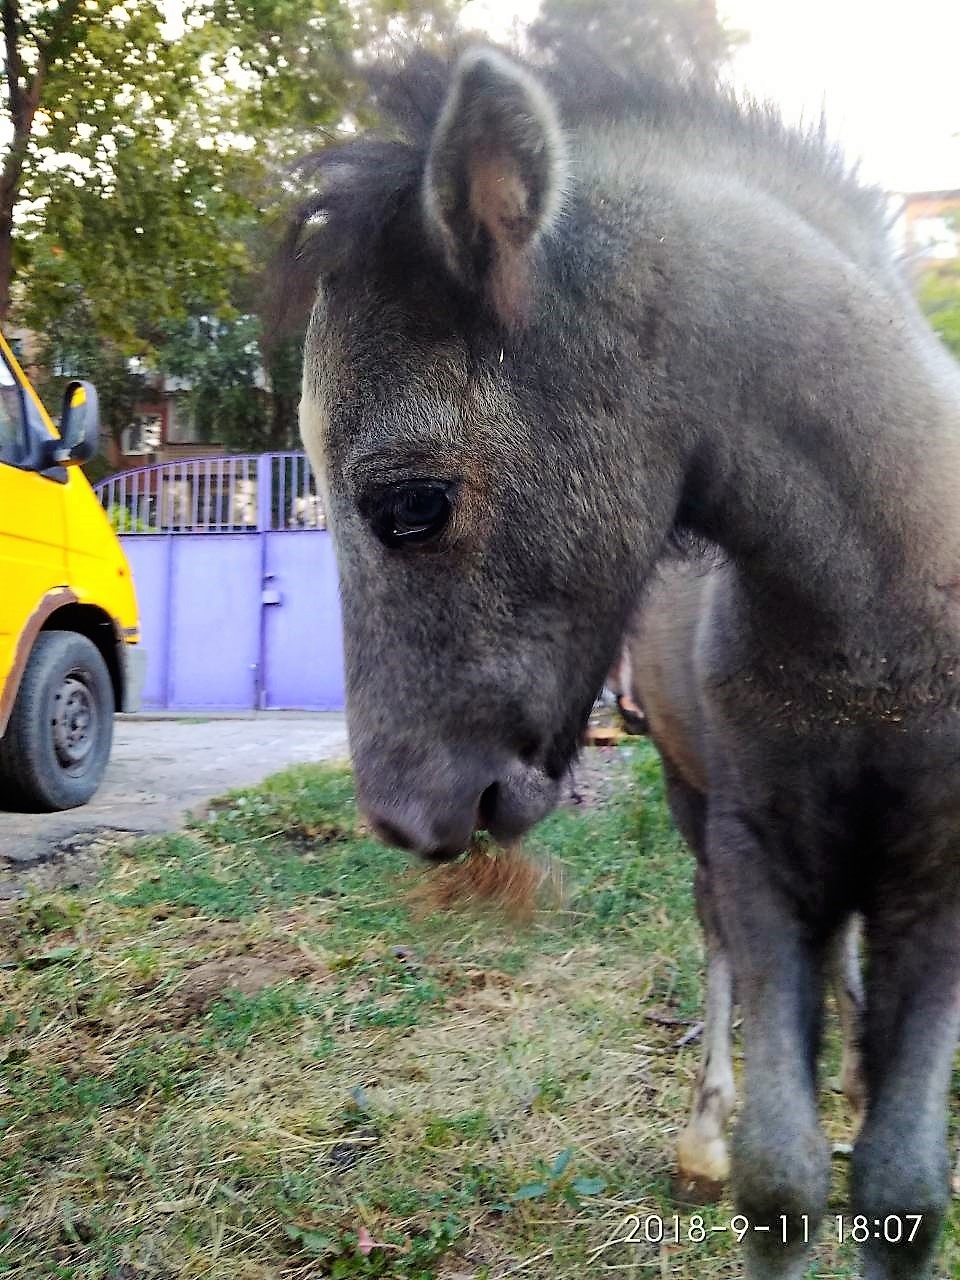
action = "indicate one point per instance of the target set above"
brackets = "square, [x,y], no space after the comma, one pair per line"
[930,236]
[176,435]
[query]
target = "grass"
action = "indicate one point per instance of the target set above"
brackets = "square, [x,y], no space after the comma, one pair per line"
[238,1057]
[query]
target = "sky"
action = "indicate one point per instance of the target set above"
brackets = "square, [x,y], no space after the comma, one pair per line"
[887,73]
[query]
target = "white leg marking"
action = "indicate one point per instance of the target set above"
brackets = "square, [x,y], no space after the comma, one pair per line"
[702,1154]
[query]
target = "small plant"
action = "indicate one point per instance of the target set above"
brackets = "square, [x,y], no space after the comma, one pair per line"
[346,1253]
[51,914]
[443,1131]
[556,1183]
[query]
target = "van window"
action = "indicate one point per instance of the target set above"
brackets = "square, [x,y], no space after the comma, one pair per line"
[11,416]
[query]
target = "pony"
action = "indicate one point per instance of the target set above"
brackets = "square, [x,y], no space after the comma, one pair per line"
[563,319]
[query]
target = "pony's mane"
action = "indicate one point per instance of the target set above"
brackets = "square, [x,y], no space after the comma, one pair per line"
[359,186]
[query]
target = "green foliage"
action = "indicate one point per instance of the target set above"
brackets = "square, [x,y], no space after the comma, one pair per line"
[555,1182]
[401,1256]
[121,194]
[219,359]
[72,346]
[939,297]
[146,173]
[295,54]
[122,520]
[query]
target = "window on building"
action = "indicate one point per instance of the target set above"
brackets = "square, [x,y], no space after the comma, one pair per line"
[142,436]
[181,427]
[65,367]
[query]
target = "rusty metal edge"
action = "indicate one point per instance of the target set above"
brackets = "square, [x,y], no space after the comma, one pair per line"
[48,606]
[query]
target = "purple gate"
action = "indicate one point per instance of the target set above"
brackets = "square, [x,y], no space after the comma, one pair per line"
[236,581]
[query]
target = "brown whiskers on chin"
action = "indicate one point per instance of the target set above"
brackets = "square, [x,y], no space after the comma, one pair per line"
[501,878]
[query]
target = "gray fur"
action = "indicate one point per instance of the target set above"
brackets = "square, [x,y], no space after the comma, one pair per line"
[802,825]
[713,341]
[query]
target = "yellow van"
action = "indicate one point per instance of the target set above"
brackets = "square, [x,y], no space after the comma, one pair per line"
[69,651]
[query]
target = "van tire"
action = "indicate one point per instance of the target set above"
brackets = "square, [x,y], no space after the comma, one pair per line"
[57,743]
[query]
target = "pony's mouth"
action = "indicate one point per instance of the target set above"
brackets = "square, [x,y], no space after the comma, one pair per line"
[439,829]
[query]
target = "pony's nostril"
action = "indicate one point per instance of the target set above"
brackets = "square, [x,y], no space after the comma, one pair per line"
[434,840]
[442,853]
[390,834]
[487,807]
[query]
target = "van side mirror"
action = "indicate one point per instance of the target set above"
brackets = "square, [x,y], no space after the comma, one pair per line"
[79,425]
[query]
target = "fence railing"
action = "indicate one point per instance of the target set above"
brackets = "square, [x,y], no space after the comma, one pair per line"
[240,493]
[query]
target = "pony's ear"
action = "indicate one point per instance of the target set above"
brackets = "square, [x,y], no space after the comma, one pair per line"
[494,177]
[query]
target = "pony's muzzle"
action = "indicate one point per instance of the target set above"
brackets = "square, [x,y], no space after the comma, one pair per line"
[439,828]
[434,843]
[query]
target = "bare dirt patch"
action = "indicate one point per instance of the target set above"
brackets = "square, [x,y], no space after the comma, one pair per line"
[247,975]
[74,862]
[597,775]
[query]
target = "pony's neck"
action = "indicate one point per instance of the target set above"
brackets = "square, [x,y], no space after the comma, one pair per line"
[838,518]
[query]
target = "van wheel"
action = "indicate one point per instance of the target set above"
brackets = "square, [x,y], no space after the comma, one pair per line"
[57,744]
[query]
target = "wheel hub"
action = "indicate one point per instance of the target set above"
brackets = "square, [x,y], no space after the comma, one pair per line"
[74,722]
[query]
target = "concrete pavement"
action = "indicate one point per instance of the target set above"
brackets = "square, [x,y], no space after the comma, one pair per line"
[165,766]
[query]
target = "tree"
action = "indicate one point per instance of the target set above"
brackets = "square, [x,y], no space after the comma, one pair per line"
[681,39]
[71,347]
[144,140]
[27,74]
[93,92]
[119,212]
[145,159]
[219,360]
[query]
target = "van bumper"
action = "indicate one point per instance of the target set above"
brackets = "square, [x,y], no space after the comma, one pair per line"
[133,663]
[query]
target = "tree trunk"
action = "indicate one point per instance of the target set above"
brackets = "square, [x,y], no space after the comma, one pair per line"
[9,186]
[23,96]
[283,415]
[6,258]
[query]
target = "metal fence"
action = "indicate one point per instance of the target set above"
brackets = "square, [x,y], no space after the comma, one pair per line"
[243,493]
[236,582]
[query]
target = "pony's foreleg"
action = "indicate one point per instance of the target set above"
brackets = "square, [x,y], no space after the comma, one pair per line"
[703,1157]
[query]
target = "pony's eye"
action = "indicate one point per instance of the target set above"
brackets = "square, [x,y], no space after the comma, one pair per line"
[412,513]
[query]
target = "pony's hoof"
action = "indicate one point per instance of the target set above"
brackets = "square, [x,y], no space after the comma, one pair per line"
[703,1166]
[690,1192]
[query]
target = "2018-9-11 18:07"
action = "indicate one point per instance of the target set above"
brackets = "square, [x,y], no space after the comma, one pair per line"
[653,1229]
